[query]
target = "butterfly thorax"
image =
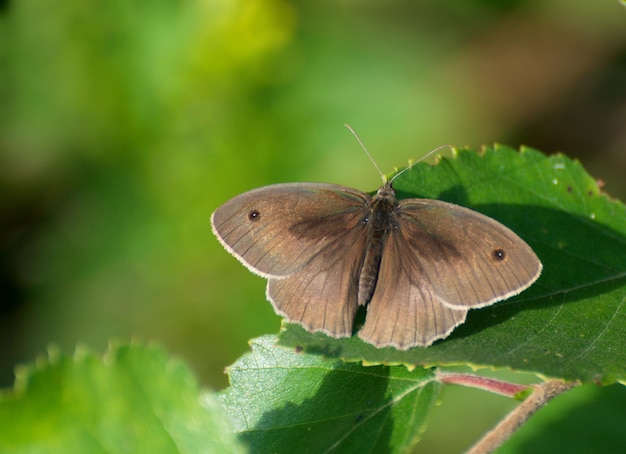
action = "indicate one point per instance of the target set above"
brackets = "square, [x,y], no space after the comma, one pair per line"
[379,224]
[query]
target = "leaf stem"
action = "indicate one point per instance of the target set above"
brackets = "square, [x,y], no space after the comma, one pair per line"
[503,388]
[541,395]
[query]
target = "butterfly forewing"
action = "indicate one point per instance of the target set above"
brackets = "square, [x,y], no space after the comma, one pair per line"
[275,230]
[469,259]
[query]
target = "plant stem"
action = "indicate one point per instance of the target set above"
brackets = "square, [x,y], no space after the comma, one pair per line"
[488,384]
[542,394]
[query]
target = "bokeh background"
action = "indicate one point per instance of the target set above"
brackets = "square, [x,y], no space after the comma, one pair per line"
[124,124]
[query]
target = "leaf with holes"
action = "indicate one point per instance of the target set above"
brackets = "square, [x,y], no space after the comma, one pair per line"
[571,323]
[279,397]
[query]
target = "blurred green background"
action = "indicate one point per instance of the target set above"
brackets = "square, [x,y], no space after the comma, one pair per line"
[124,124]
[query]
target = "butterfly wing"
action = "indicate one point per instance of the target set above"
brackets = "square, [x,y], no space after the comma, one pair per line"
[405,311]
[276,230]
[309,241]
[469,259]
[322,296]
[440,260]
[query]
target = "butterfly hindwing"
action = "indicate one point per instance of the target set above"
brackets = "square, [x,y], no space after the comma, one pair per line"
[322,296]
[405,311]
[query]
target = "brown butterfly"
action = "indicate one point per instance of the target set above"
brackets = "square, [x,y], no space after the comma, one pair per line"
[418,264]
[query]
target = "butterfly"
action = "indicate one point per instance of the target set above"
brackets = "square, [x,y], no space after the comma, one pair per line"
[418,265]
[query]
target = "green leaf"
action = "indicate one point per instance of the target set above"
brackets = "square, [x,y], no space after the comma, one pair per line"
[571,323]
[135,400]
[279,397]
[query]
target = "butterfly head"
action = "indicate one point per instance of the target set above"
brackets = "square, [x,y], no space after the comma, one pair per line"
[386,191]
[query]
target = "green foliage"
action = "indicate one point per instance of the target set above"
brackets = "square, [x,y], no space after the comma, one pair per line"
[123,124]
[323,394]
[136,399]
[120,124]
[570,323]
[279,398]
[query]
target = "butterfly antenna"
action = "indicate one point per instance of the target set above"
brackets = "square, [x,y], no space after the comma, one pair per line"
[419,160]
[356,136]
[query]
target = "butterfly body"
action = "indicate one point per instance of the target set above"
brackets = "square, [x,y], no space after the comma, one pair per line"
[379,222]
[418,264]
